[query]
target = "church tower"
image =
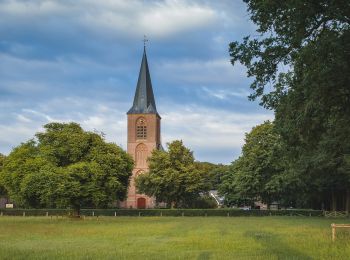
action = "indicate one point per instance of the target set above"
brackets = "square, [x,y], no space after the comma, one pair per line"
[143,134]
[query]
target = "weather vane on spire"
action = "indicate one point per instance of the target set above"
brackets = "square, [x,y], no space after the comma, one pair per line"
[144,41]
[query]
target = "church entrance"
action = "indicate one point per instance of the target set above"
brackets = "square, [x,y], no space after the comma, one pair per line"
[141,203]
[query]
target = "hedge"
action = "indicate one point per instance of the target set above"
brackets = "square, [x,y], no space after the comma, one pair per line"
[161,212]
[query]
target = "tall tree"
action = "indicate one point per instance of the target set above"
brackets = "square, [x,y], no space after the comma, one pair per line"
[66,167]
[2,159]
[300,62]
[2,188]
[212,173]
[259,173]
[172,177]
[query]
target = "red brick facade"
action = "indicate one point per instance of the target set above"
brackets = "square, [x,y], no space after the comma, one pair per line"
[140,148]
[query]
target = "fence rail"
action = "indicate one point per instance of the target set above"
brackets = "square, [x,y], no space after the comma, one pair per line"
[335,214]
[164,212]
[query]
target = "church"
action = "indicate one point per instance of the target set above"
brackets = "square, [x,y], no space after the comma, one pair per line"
[143,135]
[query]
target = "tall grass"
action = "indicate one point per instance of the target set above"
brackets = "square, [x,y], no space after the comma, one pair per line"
[171,238]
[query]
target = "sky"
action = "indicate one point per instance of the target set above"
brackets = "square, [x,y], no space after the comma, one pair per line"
[78,60]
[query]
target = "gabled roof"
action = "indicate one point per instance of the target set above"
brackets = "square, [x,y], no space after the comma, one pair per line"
[144,99]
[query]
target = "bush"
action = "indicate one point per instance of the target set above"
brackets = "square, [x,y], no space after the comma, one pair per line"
[205,202]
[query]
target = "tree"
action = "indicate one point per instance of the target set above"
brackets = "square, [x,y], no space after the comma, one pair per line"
[300,63]
[212,173]
[2,188]
[172,177]
[67,167]
[2,159]
[259,173]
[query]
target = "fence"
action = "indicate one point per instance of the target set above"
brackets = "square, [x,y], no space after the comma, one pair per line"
[335,214]
[162,212]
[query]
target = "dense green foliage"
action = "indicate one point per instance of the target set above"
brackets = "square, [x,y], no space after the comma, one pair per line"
[2,159]
[2,188]
[173,177]
[259,173]
[172,238]
[213,173]
[66,167]
[300,63]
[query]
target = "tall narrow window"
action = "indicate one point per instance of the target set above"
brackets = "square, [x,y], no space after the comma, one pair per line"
[141,156]
[141,129]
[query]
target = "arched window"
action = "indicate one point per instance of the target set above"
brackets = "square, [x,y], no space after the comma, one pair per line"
[141,129]
[141,156]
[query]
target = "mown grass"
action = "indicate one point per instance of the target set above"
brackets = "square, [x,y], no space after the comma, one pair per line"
[172,238]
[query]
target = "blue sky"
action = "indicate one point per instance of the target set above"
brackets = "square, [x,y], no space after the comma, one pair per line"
[78,60]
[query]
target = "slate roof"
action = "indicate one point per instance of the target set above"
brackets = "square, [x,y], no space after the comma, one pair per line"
[144,102]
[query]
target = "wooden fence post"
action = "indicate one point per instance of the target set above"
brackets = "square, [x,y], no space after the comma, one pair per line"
[333,232]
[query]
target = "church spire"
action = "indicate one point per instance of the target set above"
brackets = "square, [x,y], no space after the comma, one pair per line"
[144,99]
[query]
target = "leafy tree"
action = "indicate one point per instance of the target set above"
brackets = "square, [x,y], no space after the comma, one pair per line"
[172,177]
[212,173]
[2,159]
[300,62]
[2,188]
[203,202]
[228,190]
[258,174]
[67,167]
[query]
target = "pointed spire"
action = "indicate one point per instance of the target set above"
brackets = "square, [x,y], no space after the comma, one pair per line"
[144,99]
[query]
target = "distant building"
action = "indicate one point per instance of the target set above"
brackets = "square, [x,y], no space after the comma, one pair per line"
[143,135]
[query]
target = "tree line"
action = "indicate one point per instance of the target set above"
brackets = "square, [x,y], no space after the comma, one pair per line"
[300,65]
[299,61]
[67,167]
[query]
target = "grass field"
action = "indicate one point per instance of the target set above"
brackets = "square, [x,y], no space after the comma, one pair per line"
[172,238]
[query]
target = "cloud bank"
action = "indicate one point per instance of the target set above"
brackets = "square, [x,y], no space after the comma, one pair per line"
[79,61]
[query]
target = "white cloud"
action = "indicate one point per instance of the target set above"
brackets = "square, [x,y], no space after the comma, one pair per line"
[224,94]
[215,134]
[14,133]
[132,17]
[207,129]
[23,119]
[12,66]
[41,115]
[215,71]
[173,16]
[91,114]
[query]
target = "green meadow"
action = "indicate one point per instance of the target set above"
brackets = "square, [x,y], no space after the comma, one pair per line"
[172,238]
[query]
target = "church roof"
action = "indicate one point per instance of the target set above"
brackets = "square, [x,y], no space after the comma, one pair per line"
[144,99]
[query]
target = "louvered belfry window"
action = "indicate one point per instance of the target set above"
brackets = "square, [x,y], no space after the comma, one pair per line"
[141,129]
